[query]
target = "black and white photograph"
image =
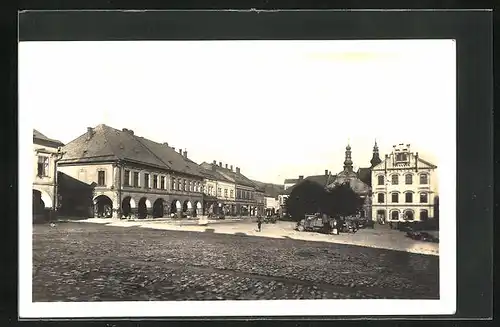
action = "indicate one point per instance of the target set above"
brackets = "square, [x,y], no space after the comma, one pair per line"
[237,177]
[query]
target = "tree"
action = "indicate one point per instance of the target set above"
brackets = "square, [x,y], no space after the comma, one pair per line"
[306,198]
[343,201]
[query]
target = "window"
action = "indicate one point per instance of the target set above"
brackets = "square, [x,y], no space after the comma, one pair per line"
[231,194]
[409,179]
[146,180]
[101,178]
[423,197]
[225,192]
[155,181]
[136,179]
[173,184]
[408,197]
[126,178]
[401,157]
[424,179]
[380,198]
[202,189]
[380,179]
[409,215]
[43,166]
[395,197]
[395,179]
[219,191]
[191,186]
[395,215]
[424,214]
[162,182]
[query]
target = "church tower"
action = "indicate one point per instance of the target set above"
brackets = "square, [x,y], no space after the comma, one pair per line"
[376,157]
[348,160]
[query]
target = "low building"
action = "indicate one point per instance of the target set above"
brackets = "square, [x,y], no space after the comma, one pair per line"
[132,176]
[47,153]
[271,197]
[404,187]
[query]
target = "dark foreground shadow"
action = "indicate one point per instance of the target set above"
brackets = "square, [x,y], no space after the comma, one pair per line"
[209,230]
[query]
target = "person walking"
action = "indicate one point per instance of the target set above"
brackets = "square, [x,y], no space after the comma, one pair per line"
[259,223]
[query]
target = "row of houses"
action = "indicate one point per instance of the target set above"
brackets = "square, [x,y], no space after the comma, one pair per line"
[402,186]
[106,172]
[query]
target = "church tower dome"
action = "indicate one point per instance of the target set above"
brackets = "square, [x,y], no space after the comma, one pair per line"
[348,160]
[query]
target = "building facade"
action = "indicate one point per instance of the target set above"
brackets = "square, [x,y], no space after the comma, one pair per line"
[132,176]
[47,153]
[404,187]
[219,191]
[245,202]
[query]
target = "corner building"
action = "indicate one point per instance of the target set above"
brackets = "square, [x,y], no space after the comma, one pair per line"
[129,176]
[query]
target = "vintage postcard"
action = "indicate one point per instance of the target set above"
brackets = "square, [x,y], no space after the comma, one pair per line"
[237,178]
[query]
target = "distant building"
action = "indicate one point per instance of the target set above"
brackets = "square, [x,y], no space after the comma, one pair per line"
[271,193]
[245,201]
[46,153]
[132,176]
[404,187]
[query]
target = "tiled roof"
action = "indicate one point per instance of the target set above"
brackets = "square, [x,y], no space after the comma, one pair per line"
[322,180]
[39,136]
[272,190]
[107,143]
[291,180]
[208,173]
[234,177]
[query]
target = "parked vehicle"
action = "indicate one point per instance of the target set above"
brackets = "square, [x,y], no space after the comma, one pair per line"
[315,223]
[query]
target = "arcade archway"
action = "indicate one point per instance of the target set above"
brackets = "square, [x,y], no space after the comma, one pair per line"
[128,204]
[158,208]
[103,207]
[143,207]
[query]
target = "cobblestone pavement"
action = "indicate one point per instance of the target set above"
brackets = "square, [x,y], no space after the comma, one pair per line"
[94,262]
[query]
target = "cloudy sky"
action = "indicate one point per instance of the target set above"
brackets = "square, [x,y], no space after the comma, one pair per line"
[277,109]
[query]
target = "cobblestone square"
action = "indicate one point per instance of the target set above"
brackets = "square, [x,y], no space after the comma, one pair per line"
[96,262]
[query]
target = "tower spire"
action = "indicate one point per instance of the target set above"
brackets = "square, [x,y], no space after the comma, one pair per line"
[376,156]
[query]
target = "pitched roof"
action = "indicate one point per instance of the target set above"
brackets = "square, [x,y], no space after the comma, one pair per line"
[208,173]
[107,143]
[41,137]
[291,180]
[229,174]
[322,180]
[269,189]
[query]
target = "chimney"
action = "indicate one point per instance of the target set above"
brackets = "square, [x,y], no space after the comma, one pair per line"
[226,166]
[90,131]
[125,130]
[220,163]
[231,167]
[215,162]
[131,132]
[329,172]
[301,177]
[326,172]
[237,170]
[180,152]
[185,154]
[173,148]
[165,143]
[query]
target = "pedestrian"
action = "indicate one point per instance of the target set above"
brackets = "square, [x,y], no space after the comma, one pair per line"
[259,223]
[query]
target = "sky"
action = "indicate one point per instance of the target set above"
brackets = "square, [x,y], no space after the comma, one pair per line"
[276,109]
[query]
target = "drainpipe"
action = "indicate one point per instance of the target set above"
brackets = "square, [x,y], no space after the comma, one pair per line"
[55,201]
[119,188]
